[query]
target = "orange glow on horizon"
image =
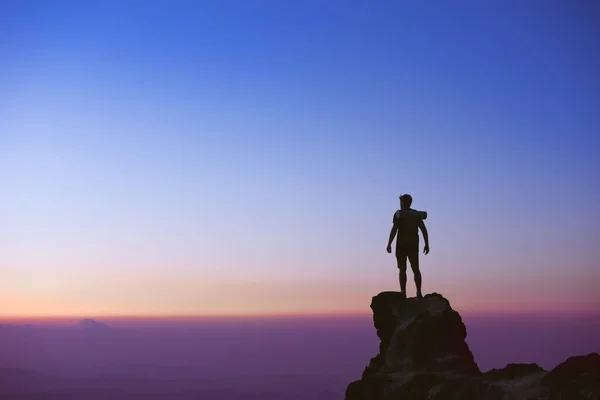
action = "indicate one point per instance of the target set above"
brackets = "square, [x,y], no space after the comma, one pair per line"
[173,297]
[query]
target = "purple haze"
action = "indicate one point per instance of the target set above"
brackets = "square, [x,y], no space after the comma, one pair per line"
[253,356]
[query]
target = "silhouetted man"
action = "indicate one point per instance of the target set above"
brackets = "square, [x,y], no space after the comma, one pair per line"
[407,243]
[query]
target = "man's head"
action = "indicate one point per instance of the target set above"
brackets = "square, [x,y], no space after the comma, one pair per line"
[405,201]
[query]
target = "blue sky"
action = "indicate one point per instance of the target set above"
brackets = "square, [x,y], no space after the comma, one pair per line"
[193,149]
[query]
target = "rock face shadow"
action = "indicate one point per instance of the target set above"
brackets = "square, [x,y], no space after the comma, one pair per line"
[423,355]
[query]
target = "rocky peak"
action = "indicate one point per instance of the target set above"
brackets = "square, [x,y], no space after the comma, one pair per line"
[424,335]
[423,355]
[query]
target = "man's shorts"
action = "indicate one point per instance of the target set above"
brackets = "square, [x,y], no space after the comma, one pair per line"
[412,253]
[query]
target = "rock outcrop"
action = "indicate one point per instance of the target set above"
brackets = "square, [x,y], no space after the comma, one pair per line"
[423,356]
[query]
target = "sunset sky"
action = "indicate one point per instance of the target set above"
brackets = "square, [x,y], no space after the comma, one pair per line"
[246,157]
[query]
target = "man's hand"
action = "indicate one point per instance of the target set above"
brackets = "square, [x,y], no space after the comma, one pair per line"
[426,249]
[389,249]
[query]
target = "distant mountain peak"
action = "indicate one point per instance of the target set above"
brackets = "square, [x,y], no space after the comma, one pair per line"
[89,323]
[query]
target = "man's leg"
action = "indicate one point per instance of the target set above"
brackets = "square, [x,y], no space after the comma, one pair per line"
[401,258]
[413,257]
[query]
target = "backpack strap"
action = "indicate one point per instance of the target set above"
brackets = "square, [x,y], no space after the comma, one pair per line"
[397,216]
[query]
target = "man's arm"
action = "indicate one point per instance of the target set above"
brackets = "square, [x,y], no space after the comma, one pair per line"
[391,239]
[425,236]
[392,233]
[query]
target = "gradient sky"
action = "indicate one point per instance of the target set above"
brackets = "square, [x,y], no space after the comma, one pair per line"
[246,157]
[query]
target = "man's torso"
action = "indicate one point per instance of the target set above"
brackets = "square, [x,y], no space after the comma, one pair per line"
[408,232]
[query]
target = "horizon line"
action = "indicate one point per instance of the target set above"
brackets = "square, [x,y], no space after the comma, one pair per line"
[182,317]
[185,316]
